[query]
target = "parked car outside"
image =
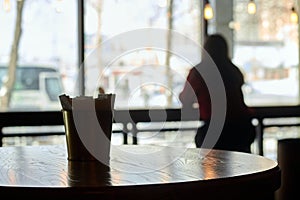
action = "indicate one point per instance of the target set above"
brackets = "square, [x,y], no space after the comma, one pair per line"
[37,87]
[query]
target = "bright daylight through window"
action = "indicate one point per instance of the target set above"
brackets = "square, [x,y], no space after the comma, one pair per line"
[266,50]
[38,54]
[39,50]
[266,47]
[143,77]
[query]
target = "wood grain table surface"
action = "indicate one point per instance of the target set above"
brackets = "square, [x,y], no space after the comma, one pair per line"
[137,172]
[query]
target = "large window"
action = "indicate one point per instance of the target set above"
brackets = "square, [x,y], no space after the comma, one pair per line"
[266,48]
[38,48]
[142,77]
[42,35]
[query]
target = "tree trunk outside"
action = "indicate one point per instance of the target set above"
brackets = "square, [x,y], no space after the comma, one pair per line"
[11,73]
[168,53]
[98,5]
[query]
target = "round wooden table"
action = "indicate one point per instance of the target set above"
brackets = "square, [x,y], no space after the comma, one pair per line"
[137,172]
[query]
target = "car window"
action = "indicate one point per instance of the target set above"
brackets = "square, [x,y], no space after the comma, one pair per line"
[53,88]
[2,76]
[27,78]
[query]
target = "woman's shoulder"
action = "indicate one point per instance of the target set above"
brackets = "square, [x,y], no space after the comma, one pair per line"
[236,72]
[194,70]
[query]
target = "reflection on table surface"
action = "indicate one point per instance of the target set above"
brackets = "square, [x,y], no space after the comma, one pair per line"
[157,167]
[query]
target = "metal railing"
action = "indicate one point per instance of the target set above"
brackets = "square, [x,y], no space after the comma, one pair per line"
[130,118]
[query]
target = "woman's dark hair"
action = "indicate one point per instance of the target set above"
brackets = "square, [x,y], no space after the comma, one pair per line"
[216,46]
